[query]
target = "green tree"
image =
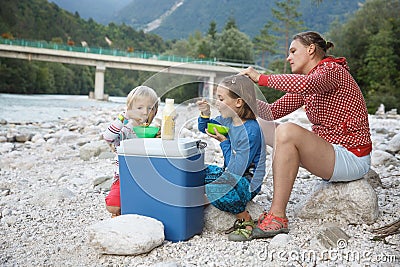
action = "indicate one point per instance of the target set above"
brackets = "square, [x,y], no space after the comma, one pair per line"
[380,74]
[370,41]
[231,23]
[180,48]
[265,42]
[288,22]
[208,43]
[197,43]
[212,30]
[205,47]
[234,45]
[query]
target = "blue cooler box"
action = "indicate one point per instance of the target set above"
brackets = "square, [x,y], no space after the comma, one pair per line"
[164,179]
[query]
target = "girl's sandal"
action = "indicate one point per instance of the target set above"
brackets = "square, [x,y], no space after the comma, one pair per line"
[242,233]
[236,225]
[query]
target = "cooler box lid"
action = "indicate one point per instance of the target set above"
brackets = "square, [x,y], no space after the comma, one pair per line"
[183,147]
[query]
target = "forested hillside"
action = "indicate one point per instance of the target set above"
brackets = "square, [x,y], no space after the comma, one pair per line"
[41,20]
[250,15]
[369,39]
[194,15]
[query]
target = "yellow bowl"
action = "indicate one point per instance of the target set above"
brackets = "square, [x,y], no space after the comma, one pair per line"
[146,131]
[220,128]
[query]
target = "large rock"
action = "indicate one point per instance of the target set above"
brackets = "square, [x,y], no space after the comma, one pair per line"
[352,202]
[66,136]
[93,149]
[52,196]
[373,179]
[129,234]
[330,237]
[216,220]
[394,144]
[382,158]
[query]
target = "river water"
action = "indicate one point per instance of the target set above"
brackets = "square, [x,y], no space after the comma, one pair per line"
[19,108]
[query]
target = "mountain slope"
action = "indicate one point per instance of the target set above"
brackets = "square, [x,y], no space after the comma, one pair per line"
[101,11]
[250,17]
[177,19]
[140,13]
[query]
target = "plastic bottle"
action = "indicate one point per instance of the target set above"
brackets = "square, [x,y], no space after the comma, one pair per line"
[168,120]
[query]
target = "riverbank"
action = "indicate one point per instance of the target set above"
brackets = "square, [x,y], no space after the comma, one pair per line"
[49,196]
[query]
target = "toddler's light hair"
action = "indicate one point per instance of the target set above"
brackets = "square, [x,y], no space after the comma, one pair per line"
[141,92]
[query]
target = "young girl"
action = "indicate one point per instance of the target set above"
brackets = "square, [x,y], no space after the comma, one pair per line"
[141,108]
[230,188]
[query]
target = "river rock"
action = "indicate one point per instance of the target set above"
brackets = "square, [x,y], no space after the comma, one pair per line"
[68,137]
[330,237]
[219,221]
[279,241]
[46,209]
[353,202]
[93,149]
[373,179]
[37,138]
[382,158]
[23,137]
[52,196]
[129,234]
[394,144]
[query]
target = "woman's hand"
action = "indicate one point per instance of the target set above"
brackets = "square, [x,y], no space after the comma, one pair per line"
[251,73]
[204,107]
[217,135]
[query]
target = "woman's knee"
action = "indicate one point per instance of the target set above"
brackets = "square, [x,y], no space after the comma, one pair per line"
[286,132]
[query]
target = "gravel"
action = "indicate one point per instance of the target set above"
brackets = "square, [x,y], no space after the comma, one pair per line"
[48,198]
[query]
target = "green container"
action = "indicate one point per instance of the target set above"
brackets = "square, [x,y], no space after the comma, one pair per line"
[146,131]
[221,129]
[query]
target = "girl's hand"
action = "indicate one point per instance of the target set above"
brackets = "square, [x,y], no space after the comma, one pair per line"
[217,135]
[204,107]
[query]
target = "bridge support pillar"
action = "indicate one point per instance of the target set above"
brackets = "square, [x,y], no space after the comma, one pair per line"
[211,86]
[99,82]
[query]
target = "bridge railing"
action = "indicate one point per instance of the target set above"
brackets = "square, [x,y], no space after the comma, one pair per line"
[106,51]
[121,53]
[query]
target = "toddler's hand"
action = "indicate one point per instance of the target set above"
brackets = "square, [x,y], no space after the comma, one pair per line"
[135,117]
[204,107]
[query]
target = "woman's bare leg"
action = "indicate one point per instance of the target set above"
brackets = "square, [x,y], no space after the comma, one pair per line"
[268,129]
[294,147]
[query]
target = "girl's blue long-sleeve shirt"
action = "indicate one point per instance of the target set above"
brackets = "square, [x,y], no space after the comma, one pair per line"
[244,145]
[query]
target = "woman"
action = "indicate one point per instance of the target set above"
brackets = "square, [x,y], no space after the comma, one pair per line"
[339,145]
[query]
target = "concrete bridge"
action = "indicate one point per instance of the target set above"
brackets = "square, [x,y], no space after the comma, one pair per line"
[209,71]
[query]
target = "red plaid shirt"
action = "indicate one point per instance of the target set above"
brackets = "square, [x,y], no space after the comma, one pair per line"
[333,103]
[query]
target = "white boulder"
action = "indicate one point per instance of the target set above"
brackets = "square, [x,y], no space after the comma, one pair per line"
[129,234]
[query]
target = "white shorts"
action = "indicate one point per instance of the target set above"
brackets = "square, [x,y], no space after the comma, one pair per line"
[349,167]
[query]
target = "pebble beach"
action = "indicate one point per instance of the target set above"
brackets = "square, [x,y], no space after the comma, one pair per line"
[50,195]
